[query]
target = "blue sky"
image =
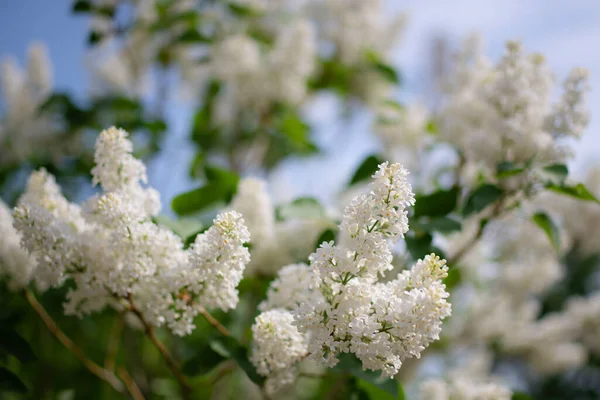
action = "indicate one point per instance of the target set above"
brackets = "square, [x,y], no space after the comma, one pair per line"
[566,32]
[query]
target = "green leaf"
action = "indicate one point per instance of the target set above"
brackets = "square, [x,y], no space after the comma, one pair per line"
[239,353]
[10,382]
[419,246]
[385,70]
[296,131]
[201,198]
[453,279]
[12,343]
[544,221]
[81,6]
[438,224]
[482,197]
[373,391]
[205,360]
[578,191]
[432,127]
[521,396]
[350,364]
[94,37]
[301,208]
[192,238]
[221,186]
[366,169]
[193,36]
[327,235]
[183,227]
[559,171]
[436,204]
[506,169]
[242,10]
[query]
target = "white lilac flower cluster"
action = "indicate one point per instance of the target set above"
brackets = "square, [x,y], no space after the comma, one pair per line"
[503,112]
[506,307]
[403,132]
[462,389]
[274,243]
[24,130]
[254,78]
[15,263]
[114,252]
[338,303]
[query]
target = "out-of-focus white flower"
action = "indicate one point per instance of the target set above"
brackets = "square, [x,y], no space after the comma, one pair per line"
[274,243]
[295,285]
[463,389]
[25,131]
[277,347]
[114,252]
[502,113]
[15,263]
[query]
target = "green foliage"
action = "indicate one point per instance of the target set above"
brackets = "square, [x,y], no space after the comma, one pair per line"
[545,222]
[205,360]
[220,187]
[436,204]
[558,171]
[373,383]
[301,208]
[366,169]
[328,235]
[10,382]
[12,343]
[439,224]
[481,197]
[507,169]
[578,191]
[384,69]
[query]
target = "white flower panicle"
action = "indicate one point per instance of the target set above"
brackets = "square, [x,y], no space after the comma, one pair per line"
[503,112]
[342,308]
[463,389]
[15,262]
[295,285]
[277,348]
[25,130]
[114,252]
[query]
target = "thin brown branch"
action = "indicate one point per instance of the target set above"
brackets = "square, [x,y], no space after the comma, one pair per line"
[186,389]
[107,376]
[132,387]
[114,341]
[213,321]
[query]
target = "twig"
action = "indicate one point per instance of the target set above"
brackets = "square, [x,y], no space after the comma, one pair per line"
[107,376]
[186,389]
[113,342]
[213,321]
[132,387]
[460,253]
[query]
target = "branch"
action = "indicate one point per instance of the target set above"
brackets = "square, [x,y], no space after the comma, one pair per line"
[113,342]
[107,376]
[186,389]
[213,321]
[460,253]
[132,387]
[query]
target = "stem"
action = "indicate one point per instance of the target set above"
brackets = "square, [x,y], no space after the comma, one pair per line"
[186,389]
[107,376]
[132,387]
[213,321]
[460,253]
[113,343]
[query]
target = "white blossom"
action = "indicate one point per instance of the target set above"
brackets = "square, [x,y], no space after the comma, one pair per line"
[116,254]
[15,263]
[277,347]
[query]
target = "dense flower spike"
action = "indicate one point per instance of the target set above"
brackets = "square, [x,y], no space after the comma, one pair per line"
[503,112]
[381,323]
[114,252]
[15,263]
[277,347]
